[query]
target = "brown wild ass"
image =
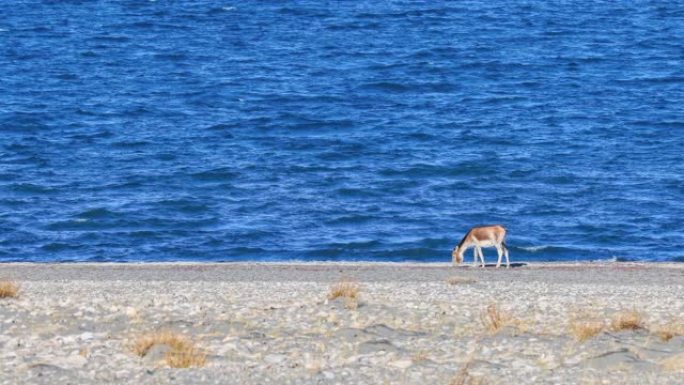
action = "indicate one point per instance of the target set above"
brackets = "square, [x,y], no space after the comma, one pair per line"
[479,237]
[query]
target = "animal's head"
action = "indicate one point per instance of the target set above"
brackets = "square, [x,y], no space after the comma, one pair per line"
[456,257]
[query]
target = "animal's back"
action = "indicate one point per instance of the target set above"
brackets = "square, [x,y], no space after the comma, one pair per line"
[498,232]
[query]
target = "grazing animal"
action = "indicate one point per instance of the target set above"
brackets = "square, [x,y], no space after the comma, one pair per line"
[479,237]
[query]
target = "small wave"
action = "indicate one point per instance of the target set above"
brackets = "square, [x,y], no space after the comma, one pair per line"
[653,80]
[562,179]
[361,245]
[77,224]
[428,170]
[187,206]
[357,25]
[99,212]
[111,39]
[315,124]
[165,156]
[422,136]
[494,100]
[664,124]
[30,188]
[386,87]
[351,219]
[23,122]
[223,126]
[145,234]
[67,76]
[616,258]
[434,87]
[535,249]
[94,135]
[171,56]
[85,112]
[216,175]
[420,253]
[58,246]
[355,192]
[219,10]
[245,250]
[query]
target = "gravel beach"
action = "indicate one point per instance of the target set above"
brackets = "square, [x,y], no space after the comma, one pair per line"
[342,323]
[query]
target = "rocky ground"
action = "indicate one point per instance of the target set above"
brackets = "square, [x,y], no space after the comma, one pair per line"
[392,324]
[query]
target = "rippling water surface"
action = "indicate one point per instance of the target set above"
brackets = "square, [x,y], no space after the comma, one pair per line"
[374,130]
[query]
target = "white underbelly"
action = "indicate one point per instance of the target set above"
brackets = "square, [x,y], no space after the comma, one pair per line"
[486,243]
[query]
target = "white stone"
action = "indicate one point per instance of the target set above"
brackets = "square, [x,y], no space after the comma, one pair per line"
[401,364]
[274,358]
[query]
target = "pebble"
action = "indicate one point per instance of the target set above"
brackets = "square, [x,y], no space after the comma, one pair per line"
[274,358]
[402,364]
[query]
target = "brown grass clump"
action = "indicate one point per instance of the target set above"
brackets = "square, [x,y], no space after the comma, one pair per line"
[665,334]
[190,357]
[9,289]
[583,329]
[627,320]
[347,289]
[463,377]
[456,280]
[493,319]
[420,356]
[585,325]
[182,352]
[670,330]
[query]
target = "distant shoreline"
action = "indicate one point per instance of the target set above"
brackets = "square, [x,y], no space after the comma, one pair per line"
[468,265]
[490,263]
[589,272]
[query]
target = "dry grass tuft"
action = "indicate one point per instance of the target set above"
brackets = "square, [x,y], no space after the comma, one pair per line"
[186,358]
[182,352]
[669,330]
[493,319]
[344,288]
[584,327]
[627,320]
[584,330]
[9,289]
[665,334]
[456,280]
[347,289]
[84,352]
[420,356]
[463,377]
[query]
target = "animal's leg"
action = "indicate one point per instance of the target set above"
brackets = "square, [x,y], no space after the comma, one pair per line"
[479,251]
[508,263]
[475,256]
[500,253]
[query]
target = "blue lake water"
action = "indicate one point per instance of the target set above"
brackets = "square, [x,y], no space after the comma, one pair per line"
[340,130]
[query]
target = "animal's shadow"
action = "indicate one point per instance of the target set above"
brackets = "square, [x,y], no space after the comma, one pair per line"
[492,265]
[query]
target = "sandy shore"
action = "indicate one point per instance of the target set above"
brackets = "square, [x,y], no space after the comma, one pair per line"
[400,324]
